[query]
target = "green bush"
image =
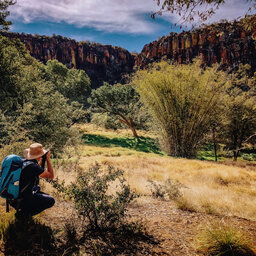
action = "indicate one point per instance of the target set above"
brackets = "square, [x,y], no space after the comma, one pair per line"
[183,101]
[106,121]
[225,241]
[31,108]
[98,207]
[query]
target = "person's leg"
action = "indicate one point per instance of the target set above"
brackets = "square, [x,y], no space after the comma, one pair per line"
[36,204]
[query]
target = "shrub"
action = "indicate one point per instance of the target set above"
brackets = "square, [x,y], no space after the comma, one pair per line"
[225,241]
[171,189]
[185,205]
[92,198]
[183,101]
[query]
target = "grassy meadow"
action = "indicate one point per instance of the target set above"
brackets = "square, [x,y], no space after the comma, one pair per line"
[224,188]
[211,193]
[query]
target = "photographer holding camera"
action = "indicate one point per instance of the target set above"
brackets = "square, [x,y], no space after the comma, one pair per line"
[31,200]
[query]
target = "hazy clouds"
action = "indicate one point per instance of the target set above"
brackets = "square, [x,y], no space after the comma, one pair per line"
[128,16]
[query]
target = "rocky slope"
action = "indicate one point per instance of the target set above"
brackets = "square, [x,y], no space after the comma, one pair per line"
[101,62]
[225,43]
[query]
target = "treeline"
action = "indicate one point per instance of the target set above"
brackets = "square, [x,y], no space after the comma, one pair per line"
[192,106]
[38,102]
[188,106]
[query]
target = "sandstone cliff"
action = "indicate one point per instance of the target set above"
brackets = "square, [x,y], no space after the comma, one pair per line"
[225,43]
[101,62]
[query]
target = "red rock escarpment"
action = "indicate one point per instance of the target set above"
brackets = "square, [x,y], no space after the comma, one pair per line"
[225,43]
[101,62]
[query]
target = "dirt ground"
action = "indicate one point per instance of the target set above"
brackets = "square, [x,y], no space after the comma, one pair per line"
[170,231]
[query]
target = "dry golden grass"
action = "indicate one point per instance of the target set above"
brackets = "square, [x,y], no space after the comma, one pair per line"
[210,187]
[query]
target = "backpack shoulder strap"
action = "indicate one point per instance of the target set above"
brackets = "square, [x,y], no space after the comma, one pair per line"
[26,163]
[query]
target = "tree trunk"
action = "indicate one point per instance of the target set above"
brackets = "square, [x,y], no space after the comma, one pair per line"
[236,153]
[130,124]
[134,132]
[214,144]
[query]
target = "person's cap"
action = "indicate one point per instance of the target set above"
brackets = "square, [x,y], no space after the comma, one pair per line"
[34,151]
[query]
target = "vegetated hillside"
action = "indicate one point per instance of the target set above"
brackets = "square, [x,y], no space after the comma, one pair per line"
[225,43]
[101,62]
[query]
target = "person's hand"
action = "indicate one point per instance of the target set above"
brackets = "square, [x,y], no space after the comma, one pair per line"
[48,155]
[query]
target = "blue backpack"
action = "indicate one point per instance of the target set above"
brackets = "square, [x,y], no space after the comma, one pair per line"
[11,169]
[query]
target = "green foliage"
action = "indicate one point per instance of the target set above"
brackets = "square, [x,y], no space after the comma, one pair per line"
[103,209]
[73,84]
[18,72]
[30,107]
[189,9]
[238,125]
[183,101]
[249,24]
[226,241]
[144,144]
[4,13]
[121,102]
[105,120]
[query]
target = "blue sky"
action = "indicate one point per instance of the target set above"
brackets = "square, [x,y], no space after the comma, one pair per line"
[125,23]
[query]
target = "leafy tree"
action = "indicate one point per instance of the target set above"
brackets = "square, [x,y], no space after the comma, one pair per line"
[239,113]
[30,106]
[73,84]
[189,10]
[19,74]
[183,101]
[4,13]
[119,101]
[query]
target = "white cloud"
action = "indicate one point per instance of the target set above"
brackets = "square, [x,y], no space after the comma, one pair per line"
[109,15]
[103,15]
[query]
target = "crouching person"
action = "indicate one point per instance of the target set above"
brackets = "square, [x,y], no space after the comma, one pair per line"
[31,200]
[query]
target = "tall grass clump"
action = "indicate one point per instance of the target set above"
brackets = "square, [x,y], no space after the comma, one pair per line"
[183,100]
[225,241]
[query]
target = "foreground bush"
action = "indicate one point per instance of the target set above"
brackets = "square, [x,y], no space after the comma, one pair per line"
[225,241]
[98,207]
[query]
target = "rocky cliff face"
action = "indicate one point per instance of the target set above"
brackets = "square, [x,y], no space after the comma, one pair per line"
[101,62]
[225,43]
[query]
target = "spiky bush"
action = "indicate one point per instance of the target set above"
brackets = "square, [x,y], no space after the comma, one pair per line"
[183,101]
[225,241]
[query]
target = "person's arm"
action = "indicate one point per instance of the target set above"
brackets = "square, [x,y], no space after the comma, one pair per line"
[49,172]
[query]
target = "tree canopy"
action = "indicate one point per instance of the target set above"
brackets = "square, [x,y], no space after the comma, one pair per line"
[238,123]
[72,83]
[119,101]
[30,106]
[4,13]
[189,10]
